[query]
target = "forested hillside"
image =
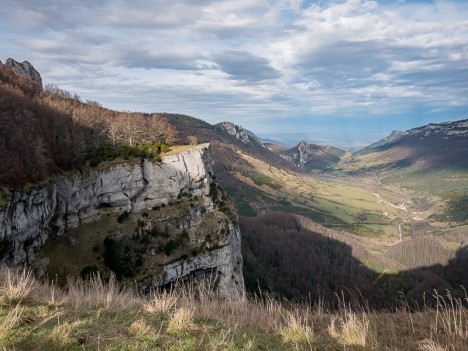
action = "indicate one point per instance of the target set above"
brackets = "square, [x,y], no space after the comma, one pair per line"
[44,132]
[293,257]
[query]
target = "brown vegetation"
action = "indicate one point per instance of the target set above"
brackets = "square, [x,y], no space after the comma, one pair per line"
[43,132]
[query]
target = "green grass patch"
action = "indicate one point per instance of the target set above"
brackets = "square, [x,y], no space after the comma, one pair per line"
[316,216]
[451,245]
[106,153]
[360,230]
[375,266]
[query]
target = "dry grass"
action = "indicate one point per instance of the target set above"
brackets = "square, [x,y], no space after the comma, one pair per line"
[139,328]
[254,312]
[350,328]
[451,318]
[430,345]
[104,316]
[61,334]
[16,285]
[222,341]
[296,330]
[9,322]
[181,321]
[162,304]
[96,293]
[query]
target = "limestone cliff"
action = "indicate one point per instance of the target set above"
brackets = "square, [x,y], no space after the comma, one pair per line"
[30,217]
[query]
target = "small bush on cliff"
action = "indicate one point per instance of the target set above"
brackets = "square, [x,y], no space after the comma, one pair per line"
[122,217]
[174,244]
[124,256]
[110,152]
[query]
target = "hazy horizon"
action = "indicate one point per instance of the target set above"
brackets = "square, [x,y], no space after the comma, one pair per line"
[344,137]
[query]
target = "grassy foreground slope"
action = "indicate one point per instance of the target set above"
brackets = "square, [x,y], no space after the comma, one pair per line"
[93,315]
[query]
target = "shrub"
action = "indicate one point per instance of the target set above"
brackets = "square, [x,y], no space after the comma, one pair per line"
[122,217]
[89,271]
[170,246]
[352,330]
[124,256]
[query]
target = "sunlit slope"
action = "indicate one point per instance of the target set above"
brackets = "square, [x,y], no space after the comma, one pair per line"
[362,208]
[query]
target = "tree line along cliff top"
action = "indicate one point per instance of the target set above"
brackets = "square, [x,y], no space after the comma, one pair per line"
[43,132]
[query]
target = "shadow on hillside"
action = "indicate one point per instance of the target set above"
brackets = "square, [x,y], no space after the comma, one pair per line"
[385,167]
[37,139]
[432,152]
[288,260]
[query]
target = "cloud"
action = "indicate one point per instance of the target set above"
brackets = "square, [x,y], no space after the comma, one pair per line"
[242,65]
[183,58]
[160,15]
[272,59]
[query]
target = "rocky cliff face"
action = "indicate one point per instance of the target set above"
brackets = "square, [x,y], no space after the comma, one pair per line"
[25,69]
[30,217]
[457,128]
[311,156]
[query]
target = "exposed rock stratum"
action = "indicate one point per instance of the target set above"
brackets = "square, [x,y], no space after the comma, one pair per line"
[31,216]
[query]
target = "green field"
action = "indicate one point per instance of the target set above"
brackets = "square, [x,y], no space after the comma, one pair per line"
[364,208]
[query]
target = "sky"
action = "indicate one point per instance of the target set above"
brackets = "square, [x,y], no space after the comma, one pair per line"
[345,73]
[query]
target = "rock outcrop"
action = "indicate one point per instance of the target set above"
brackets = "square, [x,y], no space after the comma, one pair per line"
[312,157]
[238,132]
[224,262]
[26,69]
[30,217]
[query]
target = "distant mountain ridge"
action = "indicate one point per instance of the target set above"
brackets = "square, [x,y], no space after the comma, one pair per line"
[394,135]
[433,146]
[444,130]
[458,128]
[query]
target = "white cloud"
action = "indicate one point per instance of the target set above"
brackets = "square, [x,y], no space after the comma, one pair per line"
[264,58]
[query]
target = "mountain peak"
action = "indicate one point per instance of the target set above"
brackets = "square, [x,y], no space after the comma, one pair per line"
[312,157]
[25,69]
[238,132]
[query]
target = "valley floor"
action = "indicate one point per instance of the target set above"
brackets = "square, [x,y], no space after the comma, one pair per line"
[389,214]
[93,315]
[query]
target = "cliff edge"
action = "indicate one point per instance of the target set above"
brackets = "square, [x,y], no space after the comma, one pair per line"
[180,190]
